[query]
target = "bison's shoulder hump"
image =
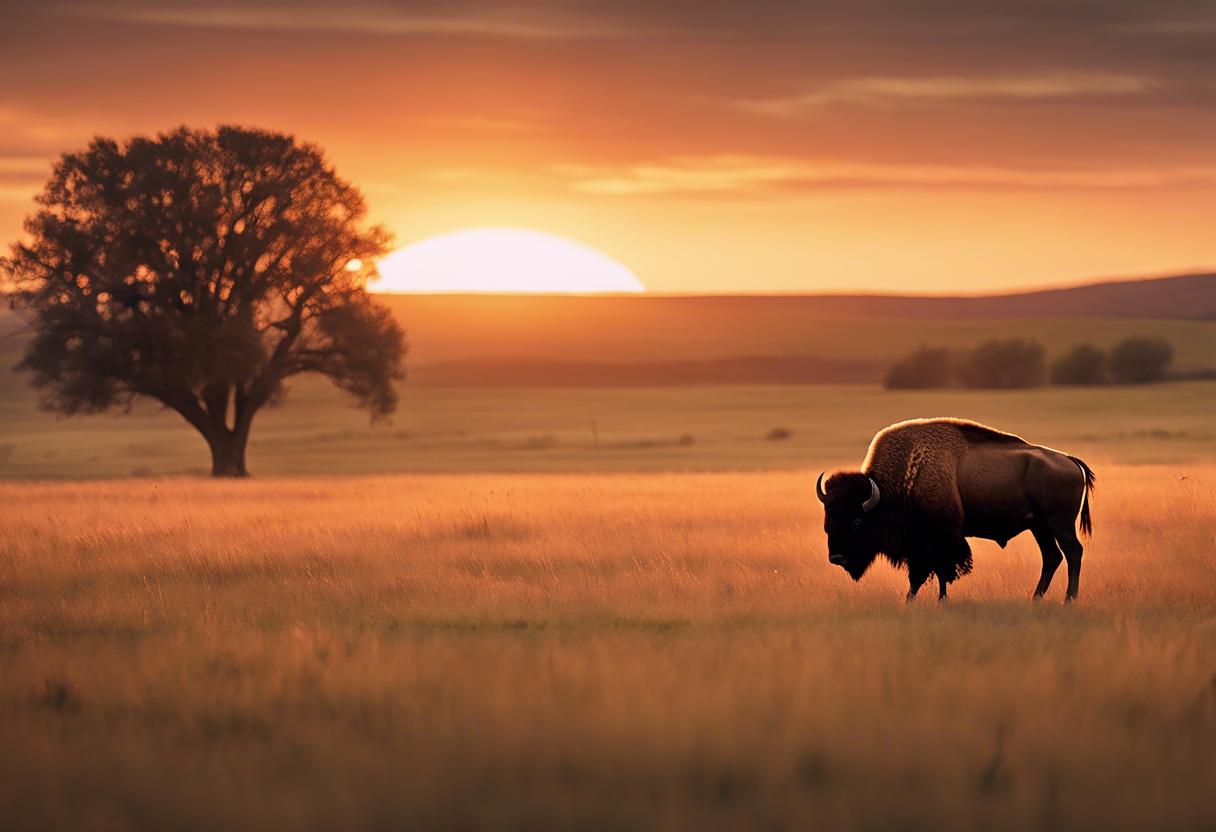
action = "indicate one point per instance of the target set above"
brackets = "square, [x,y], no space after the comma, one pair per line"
[979,434]
[935,439]
[944,426]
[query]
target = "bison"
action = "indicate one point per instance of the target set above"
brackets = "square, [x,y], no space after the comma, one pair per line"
[929,484]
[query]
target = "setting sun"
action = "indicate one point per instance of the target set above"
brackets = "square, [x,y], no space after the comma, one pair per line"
[502,260]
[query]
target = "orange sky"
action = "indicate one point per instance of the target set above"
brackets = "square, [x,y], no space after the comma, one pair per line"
[710,146]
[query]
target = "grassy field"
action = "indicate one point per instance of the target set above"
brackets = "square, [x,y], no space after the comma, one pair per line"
[597,608]
[599,651]
[443,429]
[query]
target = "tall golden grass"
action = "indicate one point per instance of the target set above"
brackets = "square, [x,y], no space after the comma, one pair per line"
[661,651]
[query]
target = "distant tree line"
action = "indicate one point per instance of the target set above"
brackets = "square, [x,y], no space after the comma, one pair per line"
[1018,363]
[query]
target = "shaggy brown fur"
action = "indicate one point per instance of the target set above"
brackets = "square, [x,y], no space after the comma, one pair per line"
[943,480]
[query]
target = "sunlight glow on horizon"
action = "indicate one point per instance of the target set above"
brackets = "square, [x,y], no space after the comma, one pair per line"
[512,260]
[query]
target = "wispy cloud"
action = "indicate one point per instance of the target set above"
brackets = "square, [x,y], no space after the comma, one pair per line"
[29,167]
[33,131]
[380,188]
[1194,26]
[484,124]
[887,93]
[718,174]
[22,172]
[455,175]
[15,193]
[742,175]
[21,178]
[357,19]
[20,190]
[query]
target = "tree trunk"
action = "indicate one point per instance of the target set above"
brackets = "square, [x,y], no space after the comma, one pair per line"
[228,454]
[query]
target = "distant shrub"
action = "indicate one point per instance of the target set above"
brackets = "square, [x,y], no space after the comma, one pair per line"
[779,434]
[540,443]
[1140,360]
[681,441]
[1004,365]
[923,369]
[1084,364]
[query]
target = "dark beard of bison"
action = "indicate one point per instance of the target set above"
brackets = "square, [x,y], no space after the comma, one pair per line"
[886,545]
[859,564]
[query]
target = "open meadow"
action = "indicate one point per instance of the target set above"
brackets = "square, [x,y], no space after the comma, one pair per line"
[596,607]
[599,651]
[598,429]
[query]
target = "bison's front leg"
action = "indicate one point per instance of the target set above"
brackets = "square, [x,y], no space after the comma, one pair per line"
[955,560]
[943,580]
[918,573]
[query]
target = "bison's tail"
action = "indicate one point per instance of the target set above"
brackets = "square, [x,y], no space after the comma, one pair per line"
[1087,523]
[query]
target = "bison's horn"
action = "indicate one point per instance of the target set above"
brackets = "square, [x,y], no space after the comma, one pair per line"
[874,496]
[823,498]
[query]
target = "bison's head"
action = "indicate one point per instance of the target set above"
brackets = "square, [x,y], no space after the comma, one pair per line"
[849,501]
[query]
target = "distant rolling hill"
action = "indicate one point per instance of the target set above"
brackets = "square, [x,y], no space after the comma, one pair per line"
[661,339]
[647,340]
[1189,297]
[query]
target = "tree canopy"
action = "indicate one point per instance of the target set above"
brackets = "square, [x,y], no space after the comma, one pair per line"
[202,269]
[1007,364]
[923,369]
[1084,364]
[1140,360]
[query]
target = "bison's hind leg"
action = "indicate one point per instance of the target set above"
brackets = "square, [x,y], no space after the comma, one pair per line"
[1051,557]
[1066,535]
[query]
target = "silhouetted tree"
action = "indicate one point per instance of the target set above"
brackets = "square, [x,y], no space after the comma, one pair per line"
[202,269]
[1009,364]
[1084,364]
[1140,360]
[921,370]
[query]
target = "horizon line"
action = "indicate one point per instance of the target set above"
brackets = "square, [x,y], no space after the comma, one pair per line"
[1033,289]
